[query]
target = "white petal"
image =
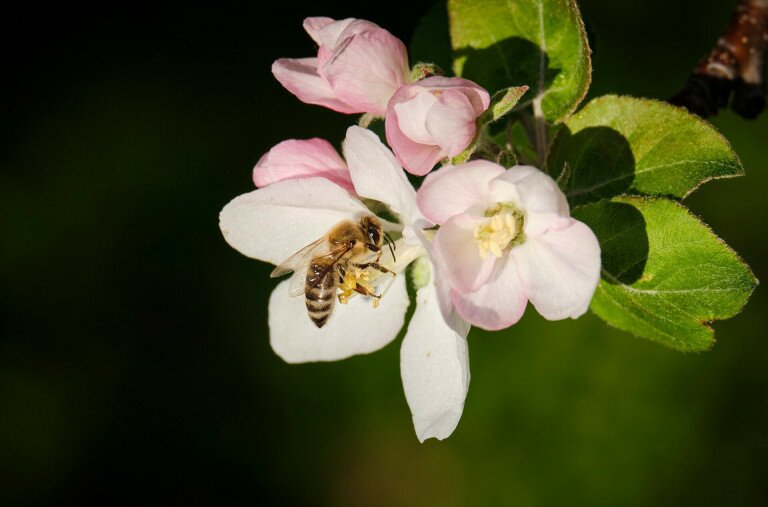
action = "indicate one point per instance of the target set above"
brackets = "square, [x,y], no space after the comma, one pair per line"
[434,364]
[536,224]
[354,328]
[534,189]
[274,222]
[439,277]
[376,173]
[560,270]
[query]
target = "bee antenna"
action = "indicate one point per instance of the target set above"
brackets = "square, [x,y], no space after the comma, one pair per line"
[391,245]
[389,239]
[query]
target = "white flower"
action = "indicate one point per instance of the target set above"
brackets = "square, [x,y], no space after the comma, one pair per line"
[274,222]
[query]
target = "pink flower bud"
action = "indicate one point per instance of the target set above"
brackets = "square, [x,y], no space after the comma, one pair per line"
[297,158]
[358,67]
[433,119]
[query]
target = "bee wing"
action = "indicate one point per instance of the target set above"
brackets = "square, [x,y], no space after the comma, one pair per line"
[324,262]
[299,261]
[298,283]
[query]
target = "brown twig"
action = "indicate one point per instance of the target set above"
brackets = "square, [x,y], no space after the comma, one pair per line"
[736,64]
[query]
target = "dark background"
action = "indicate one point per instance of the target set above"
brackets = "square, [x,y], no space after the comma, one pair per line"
[134,358]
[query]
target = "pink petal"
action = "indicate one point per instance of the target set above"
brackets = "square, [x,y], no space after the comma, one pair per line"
[314,25]
[334,34]
[560,270]
[296,158]
[497,304]
[451,122]
[458,189]
[300,77]
[416,158]
[458,256]
[411,115]
[367,69]
[476,94]
[323,55]
[316,153]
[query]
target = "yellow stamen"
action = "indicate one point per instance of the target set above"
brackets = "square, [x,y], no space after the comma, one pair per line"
[495,233]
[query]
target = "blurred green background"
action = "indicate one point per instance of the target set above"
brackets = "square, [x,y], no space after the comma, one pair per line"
[134,358]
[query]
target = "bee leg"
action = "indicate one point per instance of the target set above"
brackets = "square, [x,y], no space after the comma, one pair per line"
[376,266]
[342,273]
[379,267]
[367,292]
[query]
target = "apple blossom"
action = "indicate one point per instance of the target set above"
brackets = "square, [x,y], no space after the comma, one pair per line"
[273,222]
[506,237]
[358,67]
[302,158]
[433,119]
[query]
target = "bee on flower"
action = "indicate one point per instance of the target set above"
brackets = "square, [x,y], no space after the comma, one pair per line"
[480,241]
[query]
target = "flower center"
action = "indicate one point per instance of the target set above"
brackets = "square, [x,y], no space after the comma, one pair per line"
[503,227]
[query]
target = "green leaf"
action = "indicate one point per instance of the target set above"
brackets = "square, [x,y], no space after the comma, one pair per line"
[502,103]
[665,274]
[539,43]
[431,41]
[618,145]
[522,143]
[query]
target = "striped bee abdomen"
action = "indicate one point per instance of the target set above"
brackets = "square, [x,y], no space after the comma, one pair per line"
[320,293]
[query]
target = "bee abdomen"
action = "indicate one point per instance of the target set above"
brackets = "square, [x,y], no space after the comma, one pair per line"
[320,293]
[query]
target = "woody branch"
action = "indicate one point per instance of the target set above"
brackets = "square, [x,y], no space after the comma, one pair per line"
[735,68]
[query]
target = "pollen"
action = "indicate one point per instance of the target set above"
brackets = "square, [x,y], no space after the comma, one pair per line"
[502,227]
[347,287]
[355,280]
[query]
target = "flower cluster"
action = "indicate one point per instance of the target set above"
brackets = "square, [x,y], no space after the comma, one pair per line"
[362,68]
[480,240]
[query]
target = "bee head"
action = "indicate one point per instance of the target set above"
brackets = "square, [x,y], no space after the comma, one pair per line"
[371,228]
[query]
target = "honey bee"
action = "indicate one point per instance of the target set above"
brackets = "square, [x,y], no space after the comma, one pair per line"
[335,259]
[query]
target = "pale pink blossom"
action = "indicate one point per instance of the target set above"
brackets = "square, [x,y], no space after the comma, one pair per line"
[358,67]
[432,119]
[302,158]
[506,237]
[274,222]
